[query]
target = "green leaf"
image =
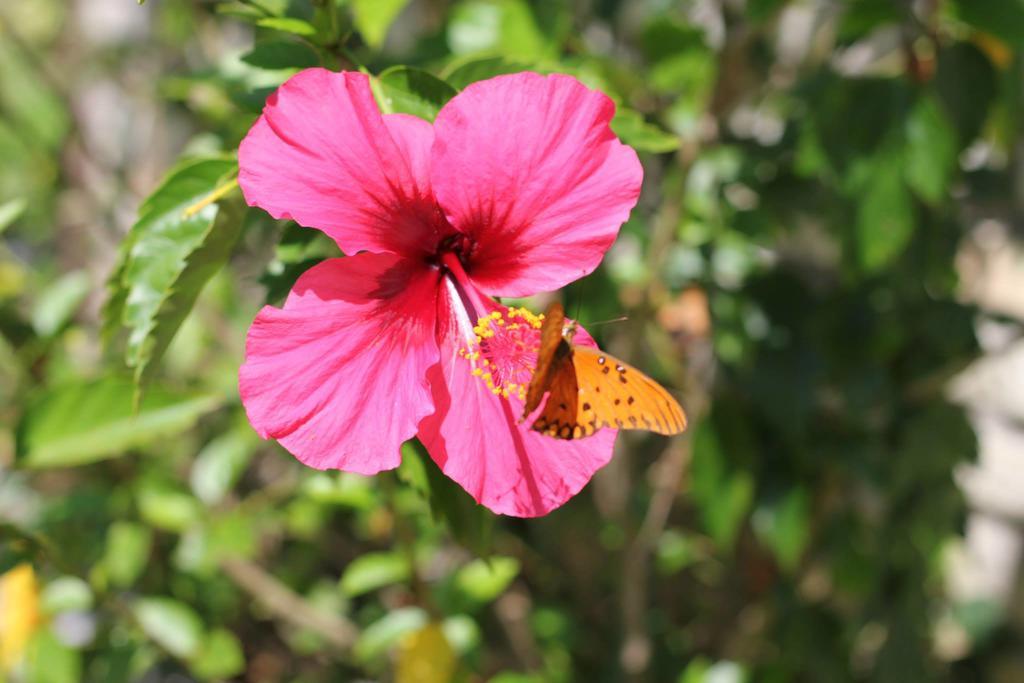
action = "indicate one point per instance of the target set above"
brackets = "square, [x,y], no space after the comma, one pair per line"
[412,91]
[221,462]
[1001,18]
[179,242]
[931,151]
[157,276]
[288,25]
[641,135]
[380,636]
[723,495]
[506,27]
[51,661]
[372,571]
[65,594]
[11,211]
[373,18]
[58,302]
[164,506]
[471,524]
[885,217]
[171,624]
[282,54]
[462,72]
[127,552]
[483,580]
[784,526]
[89,421]
[219,656]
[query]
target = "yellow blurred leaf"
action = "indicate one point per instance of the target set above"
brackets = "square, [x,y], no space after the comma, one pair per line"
[425,656]
[19,613]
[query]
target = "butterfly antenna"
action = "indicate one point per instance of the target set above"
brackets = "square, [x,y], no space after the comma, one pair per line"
[621,318]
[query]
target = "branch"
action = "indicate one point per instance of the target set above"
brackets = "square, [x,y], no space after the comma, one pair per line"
[287,605]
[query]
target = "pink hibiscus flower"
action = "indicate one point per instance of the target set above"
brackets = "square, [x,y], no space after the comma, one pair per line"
[518,187]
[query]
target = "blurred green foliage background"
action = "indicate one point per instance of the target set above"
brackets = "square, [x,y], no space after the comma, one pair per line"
[811,169]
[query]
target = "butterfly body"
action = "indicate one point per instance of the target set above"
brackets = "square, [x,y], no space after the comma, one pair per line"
[589,389]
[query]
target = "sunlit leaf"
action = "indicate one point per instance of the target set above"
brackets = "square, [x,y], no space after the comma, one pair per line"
[164,506]
[413,91]
[373,18]
[507,27]
[220,656]
[484,579]
[371,571]
[58,302]
[388,631]
[182,238]
[221,462]
[10,211]
[288,25]
[51,661]
[89,421]
[64,594]
[171,624]
[641,135]
[127,552]
[462,72]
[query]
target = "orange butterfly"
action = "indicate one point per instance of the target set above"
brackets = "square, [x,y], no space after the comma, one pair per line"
[590,389]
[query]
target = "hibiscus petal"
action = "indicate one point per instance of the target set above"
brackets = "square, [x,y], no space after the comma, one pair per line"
[322,155]
[338,375]
[476,438]
[528,167]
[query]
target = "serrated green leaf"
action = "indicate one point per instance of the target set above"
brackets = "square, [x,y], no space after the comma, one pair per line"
[89,421]
[630,126]
[174,255]
[288,25]
[170,253]
[282,54]
[373,18]
[372,571]
[171,624]
[407,90]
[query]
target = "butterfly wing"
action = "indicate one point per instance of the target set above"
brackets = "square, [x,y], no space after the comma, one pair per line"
[551,356]
[615,394]
[559,417]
